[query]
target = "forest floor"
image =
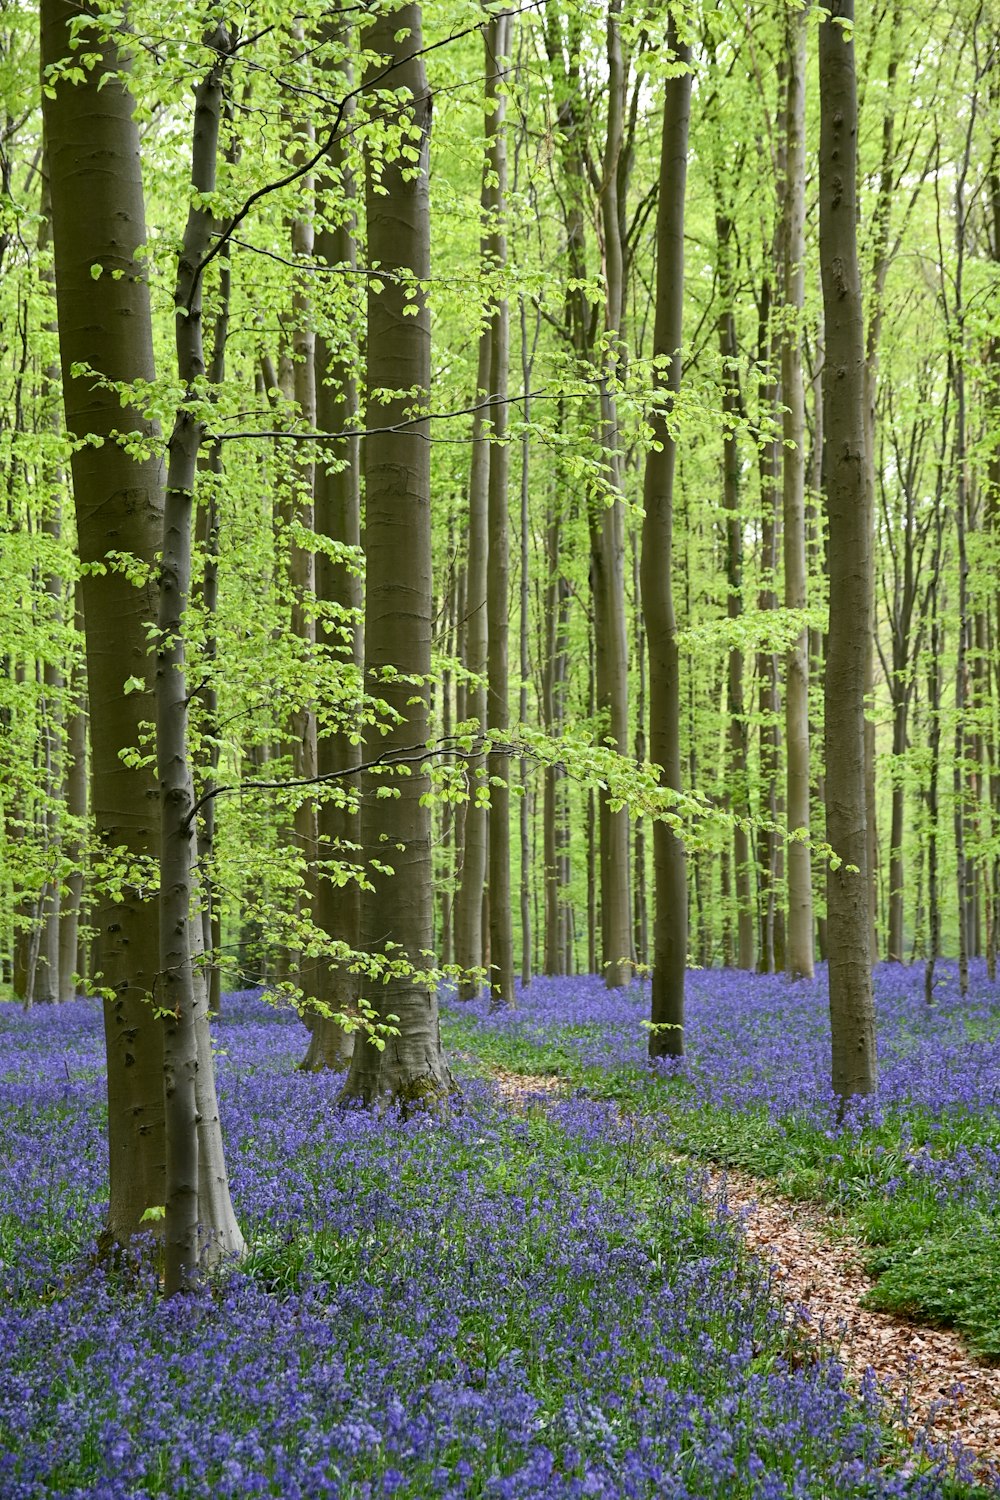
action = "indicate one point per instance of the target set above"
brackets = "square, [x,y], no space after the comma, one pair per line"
[883,1233]
[819,1273]
[546,1302]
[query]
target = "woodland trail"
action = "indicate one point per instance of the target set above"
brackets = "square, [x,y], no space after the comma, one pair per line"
[819,1274]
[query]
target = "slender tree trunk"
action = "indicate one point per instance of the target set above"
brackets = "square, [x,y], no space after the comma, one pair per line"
[552,958]
[300,515]
[799,951]
[933,813]
[608,536]
[817,638]
[76,809]
[670,882]
[397,912]
[896,831]
[498,580]
[470,937]
[593,826]
[337,493]
[732,405]
[208,522]
[956,371]
[769,468]
[852,1017]
[192,1235]
[639,841]
[524,598]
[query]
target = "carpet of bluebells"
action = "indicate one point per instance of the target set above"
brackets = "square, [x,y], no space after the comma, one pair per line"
[916,1169]
[511,1304]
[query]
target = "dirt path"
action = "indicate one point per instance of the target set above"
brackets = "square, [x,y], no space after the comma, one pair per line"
[819,1272]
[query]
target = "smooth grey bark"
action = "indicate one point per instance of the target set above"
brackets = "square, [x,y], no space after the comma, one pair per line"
[993,529]
[605,522]
[666,1038]
[449,615]
[556,599]
[52,756]
[956,376]
[524,656]
[98,219]
[770,949]
[397,913]
[931,791]
[799,937]
[905,597]
[820,561]
[470,938]
[337,493]
[501,971]
[639,839]
[881,258]
[207,525]
[76,809]
[300,517]
[732,405]
[608,532]
[852,1014]
[198,1228]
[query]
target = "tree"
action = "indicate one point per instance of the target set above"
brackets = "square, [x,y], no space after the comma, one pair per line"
[852,1015]
[98,220]
[397,911]
[501,972]
[799,943]
[666,1039]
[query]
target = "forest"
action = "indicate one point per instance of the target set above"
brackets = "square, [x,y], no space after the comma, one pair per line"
[499,749]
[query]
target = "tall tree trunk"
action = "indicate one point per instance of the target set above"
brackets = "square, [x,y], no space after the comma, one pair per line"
[193,1235]
[524,600]
[956,373]
[799,950]
[208,524]
[608,535]
[76,809]
[880,271]
[666,1038]
[98,219]
[821,564]
[337,493]
[501,974]
[639,840]
[551,715]
[470,938]
[300,518]
[933,813]
[769,468]
[732,406]
[852,1016]
[397,912]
